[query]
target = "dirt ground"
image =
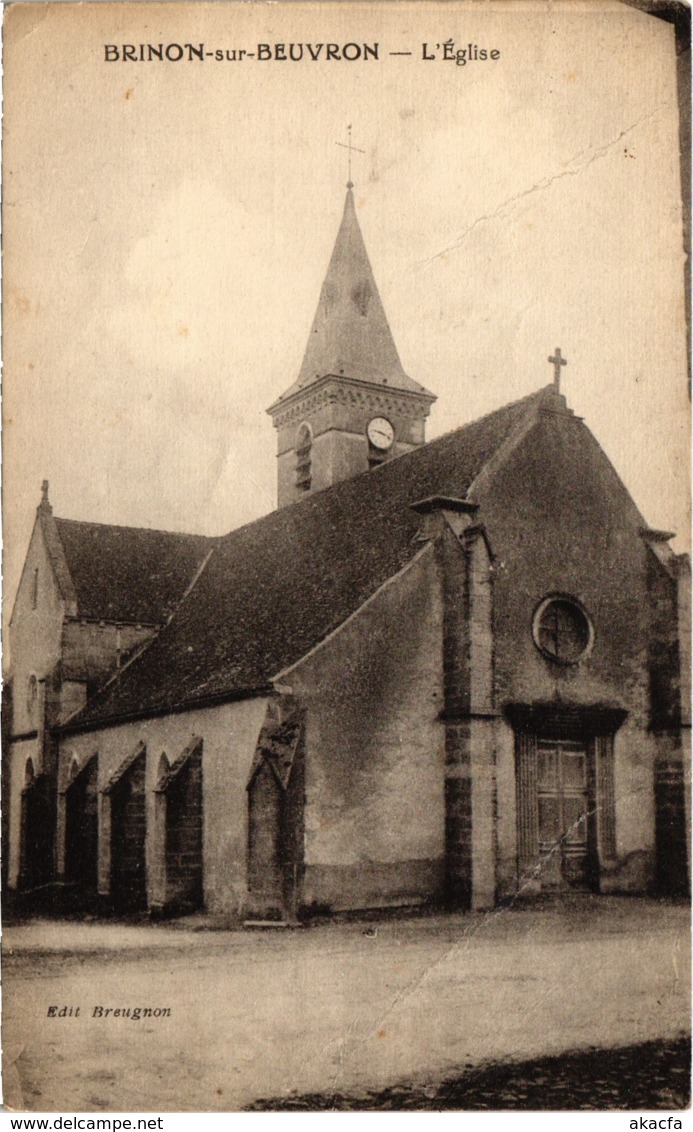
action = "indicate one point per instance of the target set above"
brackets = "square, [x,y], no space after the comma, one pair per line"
[339,1007]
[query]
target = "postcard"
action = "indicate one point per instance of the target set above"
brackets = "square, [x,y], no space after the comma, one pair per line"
[346,731]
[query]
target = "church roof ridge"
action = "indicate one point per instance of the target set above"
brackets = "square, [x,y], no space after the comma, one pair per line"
[276,587]
[130,527]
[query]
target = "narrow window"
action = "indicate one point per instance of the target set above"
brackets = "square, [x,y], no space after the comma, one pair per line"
[34,590]
[304,445]
[32,698]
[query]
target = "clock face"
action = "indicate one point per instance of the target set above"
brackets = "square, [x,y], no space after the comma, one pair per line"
[381,433]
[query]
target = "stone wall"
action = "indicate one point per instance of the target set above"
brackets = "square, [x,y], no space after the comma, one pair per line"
[338,414]
[470,775]
[560,521]
[373,694]
[229,735]
[35,633]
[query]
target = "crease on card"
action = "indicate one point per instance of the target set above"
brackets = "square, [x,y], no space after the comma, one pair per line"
[580,162]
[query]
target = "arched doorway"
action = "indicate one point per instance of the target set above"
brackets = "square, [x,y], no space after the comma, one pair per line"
[82,831]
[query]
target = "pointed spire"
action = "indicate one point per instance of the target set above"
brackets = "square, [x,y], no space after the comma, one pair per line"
[350,336]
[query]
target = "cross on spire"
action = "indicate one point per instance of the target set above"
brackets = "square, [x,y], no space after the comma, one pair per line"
[352,149]
[557,361]
[44,505]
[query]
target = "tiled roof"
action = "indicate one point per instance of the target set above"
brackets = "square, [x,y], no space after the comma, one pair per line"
[129,573]
[275,588]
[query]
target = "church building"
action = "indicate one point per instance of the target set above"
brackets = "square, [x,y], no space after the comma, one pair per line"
[443,674]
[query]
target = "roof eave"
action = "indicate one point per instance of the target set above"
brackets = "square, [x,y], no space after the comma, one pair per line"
[193,704]
[291,398]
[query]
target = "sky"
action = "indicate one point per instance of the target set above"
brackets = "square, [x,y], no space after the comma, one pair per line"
[167,227]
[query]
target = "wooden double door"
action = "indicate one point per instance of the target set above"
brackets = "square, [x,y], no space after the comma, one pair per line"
[563,811]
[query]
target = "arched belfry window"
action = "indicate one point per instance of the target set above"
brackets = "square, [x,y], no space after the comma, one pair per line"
[304,446]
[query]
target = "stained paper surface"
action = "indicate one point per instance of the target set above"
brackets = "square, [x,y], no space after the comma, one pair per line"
[173,183]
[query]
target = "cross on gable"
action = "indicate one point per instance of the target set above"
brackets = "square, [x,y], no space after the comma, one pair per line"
[557,361]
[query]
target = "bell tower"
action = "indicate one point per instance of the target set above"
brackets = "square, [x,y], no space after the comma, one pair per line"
[352,406]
